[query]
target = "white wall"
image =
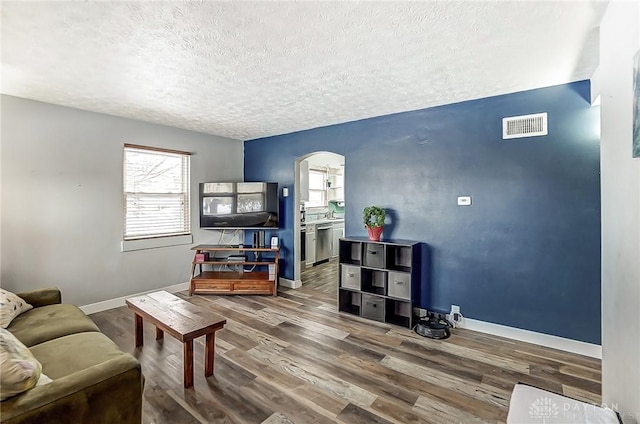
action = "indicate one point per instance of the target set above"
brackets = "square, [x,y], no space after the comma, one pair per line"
[620,40]
[62,209]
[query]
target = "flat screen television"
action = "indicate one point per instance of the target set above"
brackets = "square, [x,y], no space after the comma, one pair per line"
[239,205]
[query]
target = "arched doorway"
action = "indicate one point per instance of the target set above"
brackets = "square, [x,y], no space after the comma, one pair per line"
[316,204]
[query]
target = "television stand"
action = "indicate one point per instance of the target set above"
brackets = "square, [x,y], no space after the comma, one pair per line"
[228,273]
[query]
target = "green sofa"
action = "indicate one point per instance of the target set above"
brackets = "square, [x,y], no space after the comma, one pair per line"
[93,380]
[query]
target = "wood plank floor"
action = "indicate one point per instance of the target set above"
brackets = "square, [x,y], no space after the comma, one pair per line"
[295,359]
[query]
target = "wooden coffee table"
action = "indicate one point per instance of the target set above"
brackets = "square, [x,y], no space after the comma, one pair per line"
[181,319]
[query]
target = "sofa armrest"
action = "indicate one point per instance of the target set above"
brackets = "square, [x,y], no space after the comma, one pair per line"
[110,392]
[42,297]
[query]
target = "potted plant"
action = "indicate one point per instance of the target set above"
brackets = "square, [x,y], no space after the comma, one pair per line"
[373,218]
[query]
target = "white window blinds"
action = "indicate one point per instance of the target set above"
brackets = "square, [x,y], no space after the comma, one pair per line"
[156,192]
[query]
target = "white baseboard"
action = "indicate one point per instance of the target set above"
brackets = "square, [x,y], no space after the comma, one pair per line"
[547,340]
[119,301]
[292,284]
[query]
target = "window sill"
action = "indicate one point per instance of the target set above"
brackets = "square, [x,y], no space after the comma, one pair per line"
[154,243]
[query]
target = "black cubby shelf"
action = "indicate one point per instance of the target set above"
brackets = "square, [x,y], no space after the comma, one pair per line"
[380,280]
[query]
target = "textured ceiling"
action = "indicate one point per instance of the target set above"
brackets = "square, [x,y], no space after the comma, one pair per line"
[246,70]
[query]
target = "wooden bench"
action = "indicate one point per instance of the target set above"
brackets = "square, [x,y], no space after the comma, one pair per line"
[181,319]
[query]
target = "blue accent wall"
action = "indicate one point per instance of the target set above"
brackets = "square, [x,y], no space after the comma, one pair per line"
[526,254]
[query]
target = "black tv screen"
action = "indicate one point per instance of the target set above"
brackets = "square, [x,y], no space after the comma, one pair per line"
[239,205]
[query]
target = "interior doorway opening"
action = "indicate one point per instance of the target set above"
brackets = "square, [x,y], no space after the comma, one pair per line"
[318,209]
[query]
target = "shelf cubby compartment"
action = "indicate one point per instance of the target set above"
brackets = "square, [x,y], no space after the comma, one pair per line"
[398,312]
[350,277]
[351,252]
[373,255]
[373,307]
[373,281]
[349,301]
[399,258]
[399,285]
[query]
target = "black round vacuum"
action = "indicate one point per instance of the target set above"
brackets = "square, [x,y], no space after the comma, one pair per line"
[433,328]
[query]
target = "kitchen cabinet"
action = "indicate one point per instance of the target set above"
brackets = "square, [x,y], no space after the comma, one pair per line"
[338,233]
[311,244]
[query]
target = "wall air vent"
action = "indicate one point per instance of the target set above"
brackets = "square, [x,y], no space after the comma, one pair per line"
[524,126]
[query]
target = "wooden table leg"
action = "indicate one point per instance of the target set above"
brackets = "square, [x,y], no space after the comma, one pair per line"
[209,350]
[188,364]
[159,334]
[139,331]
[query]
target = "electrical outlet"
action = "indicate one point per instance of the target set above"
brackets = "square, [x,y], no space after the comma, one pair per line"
[455,316]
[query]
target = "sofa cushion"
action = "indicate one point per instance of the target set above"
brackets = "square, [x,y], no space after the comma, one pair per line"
[102,393]
[49,322]
[19,369]
[69,354]
[11,305]
[42,297]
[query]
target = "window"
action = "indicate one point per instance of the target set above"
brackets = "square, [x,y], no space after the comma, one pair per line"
[156,192]
[317,188]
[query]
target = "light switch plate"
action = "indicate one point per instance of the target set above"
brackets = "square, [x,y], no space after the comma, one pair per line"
[464,200]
